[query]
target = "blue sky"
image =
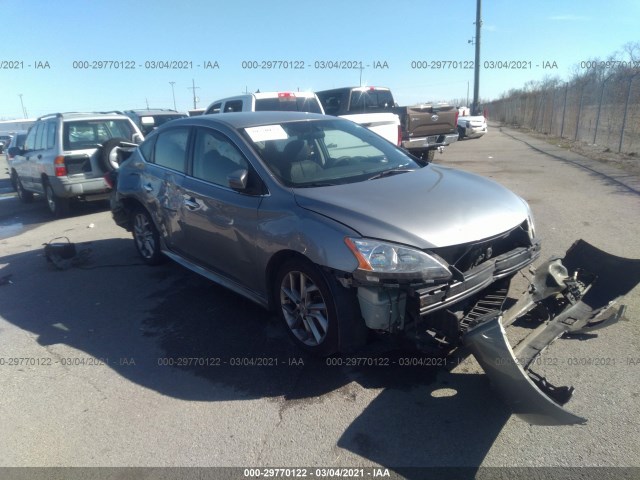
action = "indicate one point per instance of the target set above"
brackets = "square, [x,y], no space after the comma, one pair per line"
[395,32]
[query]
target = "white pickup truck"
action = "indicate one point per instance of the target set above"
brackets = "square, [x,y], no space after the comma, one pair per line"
[470,126]
[370,107]
[267,101]
[420,129]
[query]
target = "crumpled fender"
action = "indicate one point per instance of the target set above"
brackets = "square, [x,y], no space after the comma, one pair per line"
[586,282]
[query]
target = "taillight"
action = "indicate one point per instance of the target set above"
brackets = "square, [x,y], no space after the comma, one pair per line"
[399,135]
[285,95]
[59,167]
[108,178]
[456,121]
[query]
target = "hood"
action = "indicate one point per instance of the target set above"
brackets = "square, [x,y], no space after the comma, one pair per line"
[428,208]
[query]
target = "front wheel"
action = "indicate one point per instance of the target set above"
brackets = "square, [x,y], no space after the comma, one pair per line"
[461,132]
[146,237]
[321,315]
[23,195]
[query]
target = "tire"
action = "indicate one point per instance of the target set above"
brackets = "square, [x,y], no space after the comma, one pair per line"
[430,155]
[24,195]
[320,315]
[58,206]
[460,133]
[146,237]
[109,154]
[14,180]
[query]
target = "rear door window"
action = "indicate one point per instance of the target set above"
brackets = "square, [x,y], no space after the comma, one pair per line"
[171,149]
[83,134]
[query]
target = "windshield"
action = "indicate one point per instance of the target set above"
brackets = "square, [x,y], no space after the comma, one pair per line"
[326,152]
[289,103]
[370,101]
[82,134]
[158,120]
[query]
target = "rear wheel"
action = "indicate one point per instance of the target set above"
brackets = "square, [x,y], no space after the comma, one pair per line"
[58,206]
[146,237]
[430,155]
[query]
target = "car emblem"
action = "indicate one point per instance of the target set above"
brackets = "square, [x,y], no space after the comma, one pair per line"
[489,253]
[434,117]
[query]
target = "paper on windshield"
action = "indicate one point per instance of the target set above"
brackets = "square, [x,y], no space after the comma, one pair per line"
[265,133]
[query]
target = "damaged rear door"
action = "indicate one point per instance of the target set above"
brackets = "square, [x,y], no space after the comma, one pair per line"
[573,295]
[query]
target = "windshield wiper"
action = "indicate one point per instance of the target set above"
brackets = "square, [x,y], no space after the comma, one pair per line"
[388,173]
[315,184]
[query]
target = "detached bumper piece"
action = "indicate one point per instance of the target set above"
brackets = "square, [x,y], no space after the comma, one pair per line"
[574,295]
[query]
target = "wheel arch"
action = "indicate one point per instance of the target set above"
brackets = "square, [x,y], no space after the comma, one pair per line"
[274,264]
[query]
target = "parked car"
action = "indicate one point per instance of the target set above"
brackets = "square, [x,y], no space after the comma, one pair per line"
[65,156]
[281,207]
[471,126]
[342,233]
[267,101]
[147,120]
[4,142]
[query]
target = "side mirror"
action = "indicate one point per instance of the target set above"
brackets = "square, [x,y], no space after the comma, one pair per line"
[13,151]
[238,179]
[137,138]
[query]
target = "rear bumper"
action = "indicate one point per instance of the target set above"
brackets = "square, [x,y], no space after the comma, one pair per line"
[430,142]
[92,188]
[475,132]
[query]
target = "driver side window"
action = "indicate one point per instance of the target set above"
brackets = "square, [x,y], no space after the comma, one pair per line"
[215,157]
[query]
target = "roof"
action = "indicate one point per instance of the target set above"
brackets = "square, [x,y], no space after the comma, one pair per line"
[251,119]
[84,115]
[155,111]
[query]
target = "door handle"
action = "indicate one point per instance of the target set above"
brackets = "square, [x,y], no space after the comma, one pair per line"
[191,203]
[148,188]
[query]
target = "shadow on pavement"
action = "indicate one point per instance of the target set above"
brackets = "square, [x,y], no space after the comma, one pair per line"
[176,333]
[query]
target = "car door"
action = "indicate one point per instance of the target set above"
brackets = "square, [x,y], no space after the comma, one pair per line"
[161,181]
[28,166]
[20,162]
[218,222]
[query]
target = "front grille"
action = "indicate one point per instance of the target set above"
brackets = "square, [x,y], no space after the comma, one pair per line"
[469,255]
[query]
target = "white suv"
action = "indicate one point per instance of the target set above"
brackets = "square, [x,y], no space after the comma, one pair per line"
[66,155]
[268,101]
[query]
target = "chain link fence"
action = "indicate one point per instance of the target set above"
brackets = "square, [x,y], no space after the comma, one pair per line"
[602,111]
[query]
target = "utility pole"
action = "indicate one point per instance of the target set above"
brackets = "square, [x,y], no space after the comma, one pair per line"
[476,74]
[195,99]
[24,110]
[173,92]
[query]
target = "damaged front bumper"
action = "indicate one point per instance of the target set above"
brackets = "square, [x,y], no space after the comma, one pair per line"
[572,295]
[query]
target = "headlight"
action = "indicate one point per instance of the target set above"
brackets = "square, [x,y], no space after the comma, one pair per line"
[531,228]
[379,260]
